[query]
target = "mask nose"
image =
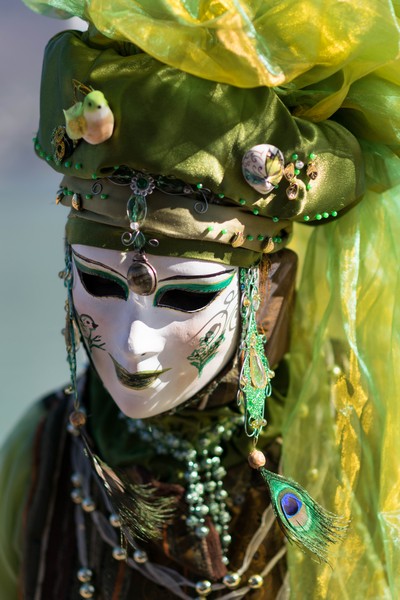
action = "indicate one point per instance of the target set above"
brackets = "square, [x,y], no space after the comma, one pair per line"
[144,341]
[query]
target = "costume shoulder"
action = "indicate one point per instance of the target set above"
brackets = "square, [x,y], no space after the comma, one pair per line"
[15,476]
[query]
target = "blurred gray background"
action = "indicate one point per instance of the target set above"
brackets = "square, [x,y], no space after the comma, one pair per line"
[32,356]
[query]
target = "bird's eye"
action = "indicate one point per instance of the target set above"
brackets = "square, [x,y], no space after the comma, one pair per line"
[98,106]
[89,104]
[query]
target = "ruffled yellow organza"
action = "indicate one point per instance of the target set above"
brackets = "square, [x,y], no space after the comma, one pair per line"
[249,43]
[323,54]
[345,358]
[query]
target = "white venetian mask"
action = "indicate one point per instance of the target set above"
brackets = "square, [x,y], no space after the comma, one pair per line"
[154,352]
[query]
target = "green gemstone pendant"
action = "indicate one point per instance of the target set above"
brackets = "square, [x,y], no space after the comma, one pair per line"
[257,372]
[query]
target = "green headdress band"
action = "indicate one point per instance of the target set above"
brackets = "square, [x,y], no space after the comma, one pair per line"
[242,145]
[182,222]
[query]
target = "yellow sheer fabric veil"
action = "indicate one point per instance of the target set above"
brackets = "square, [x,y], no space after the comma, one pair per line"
[342,416]
[325,58]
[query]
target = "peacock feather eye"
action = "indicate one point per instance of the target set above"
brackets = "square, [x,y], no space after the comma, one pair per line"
[290,505]
[294,509]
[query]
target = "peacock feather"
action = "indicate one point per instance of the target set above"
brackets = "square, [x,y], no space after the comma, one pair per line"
[302,519]
[142,512]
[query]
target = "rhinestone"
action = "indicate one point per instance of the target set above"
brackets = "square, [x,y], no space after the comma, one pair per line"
[192,476]
[231,580]
[191,455]
[76,496]
[202,531]
[204,442]
[221,495]
[114,520]
[255,582]
[140,556]
[220,472]
[226,539]
[76,479]
[214,508]
[192,498]
[199,488]
[71,429]
[84,575]
[59,196]
[237,239]
[216,461]
[225,560]
[77,418]
[86,590]
[210,486]
[225,517]
[218,451]
[77,205]
[119,553]
[202,510]
[203,588]
[192,521]
[88,505]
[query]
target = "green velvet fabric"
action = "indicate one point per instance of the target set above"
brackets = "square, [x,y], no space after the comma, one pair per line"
[105,425]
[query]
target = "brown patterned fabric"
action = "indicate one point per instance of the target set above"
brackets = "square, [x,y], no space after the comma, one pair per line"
[51,562]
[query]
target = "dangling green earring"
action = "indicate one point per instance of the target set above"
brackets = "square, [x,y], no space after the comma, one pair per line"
[302,520]
[255,376]
[71,335]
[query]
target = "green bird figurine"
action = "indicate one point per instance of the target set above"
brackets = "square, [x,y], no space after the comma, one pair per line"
[91,119]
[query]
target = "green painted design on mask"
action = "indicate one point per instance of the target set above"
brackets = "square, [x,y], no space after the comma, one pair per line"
[87,327]
[207,350]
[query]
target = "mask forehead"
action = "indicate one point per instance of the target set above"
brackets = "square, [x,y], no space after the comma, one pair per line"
[154,352]
[166,266]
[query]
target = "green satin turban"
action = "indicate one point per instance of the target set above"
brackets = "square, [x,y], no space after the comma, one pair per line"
[175,125]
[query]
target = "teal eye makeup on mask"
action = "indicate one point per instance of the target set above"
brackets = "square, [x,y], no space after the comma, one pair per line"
[99,283]
[189,297]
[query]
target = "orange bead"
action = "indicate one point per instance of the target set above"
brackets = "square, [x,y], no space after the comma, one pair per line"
[256,459]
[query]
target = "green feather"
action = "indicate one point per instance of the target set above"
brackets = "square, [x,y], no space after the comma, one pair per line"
[142,511]
[302,520]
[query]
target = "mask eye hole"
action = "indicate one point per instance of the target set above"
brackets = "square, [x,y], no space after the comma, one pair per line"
[101,286]
[184,300]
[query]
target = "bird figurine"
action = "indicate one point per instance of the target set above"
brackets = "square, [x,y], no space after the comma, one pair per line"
[91,119]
